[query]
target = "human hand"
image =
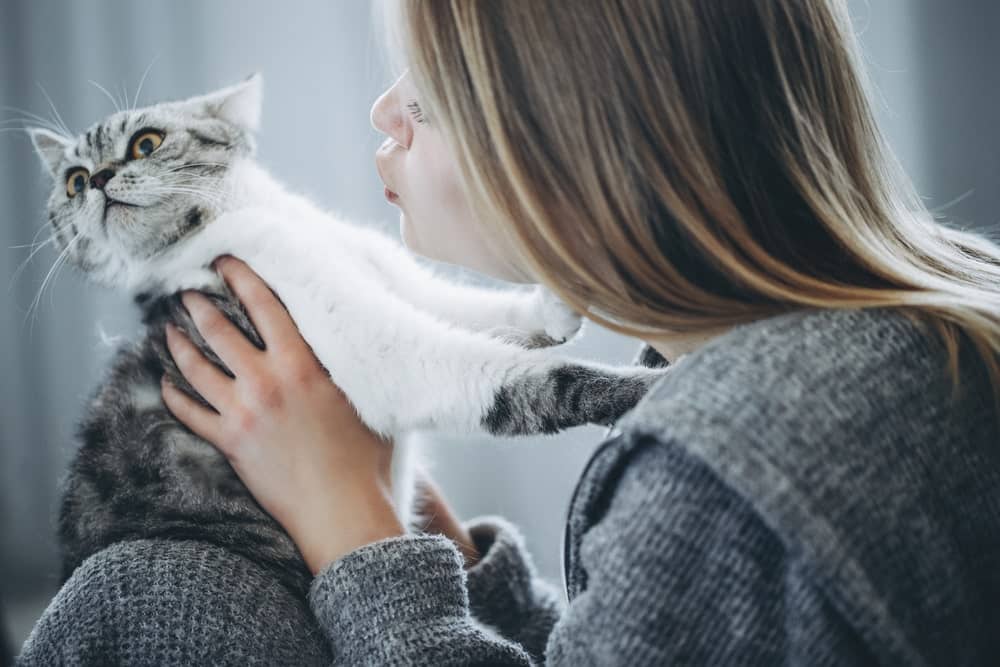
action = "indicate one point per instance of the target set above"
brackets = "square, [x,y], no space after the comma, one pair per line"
[288,431]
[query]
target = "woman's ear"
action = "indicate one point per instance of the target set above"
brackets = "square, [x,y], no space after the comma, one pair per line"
[51,147]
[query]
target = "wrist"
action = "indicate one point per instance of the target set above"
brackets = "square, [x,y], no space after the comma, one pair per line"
[349,526]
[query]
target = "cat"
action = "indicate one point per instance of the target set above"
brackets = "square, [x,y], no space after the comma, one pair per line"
[145,200]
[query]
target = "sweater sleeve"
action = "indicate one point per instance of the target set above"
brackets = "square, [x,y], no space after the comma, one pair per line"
[428,609]
[505,590]
[405,601]
[679,570]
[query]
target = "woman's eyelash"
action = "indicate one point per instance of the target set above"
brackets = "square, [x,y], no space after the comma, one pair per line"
[416,112]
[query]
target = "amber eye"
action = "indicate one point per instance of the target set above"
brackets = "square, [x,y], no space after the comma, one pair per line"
[76,181]
[144,143]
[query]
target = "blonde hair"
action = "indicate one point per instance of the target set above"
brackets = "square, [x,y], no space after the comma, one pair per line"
[685,165]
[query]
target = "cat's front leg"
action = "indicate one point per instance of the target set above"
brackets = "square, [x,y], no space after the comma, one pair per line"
[528,316]
[404,369]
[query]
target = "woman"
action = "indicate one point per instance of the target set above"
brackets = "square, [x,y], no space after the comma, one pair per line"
[817,481]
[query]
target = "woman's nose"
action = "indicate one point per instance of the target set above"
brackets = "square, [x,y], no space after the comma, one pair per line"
[387,117]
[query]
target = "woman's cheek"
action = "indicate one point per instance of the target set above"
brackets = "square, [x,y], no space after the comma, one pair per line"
[437,220]
[431,213]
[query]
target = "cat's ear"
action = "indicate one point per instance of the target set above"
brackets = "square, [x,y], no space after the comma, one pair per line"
[239,104]
[50,147]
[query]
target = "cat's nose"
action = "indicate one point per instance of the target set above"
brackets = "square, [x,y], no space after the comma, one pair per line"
[101,178]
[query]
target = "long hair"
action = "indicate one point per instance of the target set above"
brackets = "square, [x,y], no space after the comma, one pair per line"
[681,165]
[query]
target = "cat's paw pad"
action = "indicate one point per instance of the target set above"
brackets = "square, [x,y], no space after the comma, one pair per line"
[560,321]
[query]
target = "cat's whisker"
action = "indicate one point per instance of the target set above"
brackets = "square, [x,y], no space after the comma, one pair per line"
[195,183]
[55,111]
[35,246]
[180,176]
[176,176]
[124,95]
[34,239]
[105,91]
[24,264]
[211,197]
[185,173]
[35,119]
[135,100]
[54,279]
[25,125]
[64,255]
[183,187]
[25,245]
[192,186]
[192,165]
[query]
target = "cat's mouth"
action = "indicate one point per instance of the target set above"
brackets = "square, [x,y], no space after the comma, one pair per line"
[110,202]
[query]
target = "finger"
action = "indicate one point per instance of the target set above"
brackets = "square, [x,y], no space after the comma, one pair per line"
[208,380]
[225,339]
[269,315]
[202,421]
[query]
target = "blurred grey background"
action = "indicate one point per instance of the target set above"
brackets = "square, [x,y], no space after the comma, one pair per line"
[934,63]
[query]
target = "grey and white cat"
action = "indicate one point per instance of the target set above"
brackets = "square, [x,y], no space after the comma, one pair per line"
[147,198]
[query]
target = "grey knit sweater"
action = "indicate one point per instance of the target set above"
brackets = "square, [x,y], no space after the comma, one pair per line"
[799,491]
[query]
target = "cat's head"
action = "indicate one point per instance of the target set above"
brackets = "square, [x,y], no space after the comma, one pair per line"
[141,180]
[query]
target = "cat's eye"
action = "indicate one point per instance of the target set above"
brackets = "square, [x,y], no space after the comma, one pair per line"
[144,143]
[76,181]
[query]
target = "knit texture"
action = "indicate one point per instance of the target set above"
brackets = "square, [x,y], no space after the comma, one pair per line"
[799,491]
[505,590]
[161,602]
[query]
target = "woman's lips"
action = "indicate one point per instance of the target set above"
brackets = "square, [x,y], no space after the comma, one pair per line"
[391,196]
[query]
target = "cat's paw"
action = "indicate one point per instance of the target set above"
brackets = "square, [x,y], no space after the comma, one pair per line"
[560,322]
